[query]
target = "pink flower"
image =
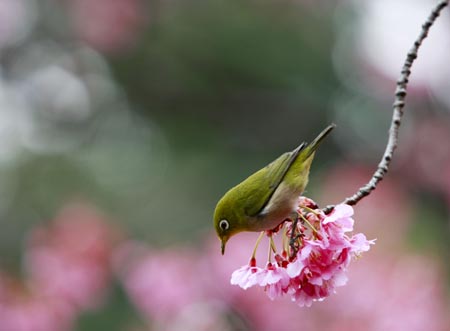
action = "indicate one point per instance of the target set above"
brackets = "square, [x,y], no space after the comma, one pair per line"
[271,275]
[319,266]
[341,215]
[276,281]
[360,243]
[246,276]
[273,278]
[295,267]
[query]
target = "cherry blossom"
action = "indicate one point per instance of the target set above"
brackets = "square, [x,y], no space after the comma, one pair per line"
[312,270]
[246,276]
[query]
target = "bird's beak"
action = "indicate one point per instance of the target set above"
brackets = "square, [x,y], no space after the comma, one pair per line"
[224,242]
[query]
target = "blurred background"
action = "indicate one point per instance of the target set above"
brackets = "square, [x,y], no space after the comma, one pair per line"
[123,122]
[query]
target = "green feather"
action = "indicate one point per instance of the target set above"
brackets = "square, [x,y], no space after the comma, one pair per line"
[265,181]
[257,190]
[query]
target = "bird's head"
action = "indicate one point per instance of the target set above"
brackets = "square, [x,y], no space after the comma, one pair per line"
[226,220]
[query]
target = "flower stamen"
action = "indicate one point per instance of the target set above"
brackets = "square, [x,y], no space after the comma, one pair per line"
[315,212]
[272,245]
[313,229]
[257,244]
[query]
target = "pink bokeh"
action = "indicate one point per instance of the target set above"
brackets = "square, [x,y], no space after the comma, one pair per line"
[67,264]
[160,282]
[106,25]
[23,309]
[384,292]
[391,293]
[427,164]
[71,262]
[70,259]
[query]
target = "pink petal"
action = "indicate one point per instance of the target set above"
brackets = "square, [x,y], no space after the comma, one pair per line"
[302,299]
[360,243]
[316,281]
[277,290]
[346,224]
[274,291]
[295,268]
[340,279]
[305,252]
[245,276]
[341,215]
[271,275]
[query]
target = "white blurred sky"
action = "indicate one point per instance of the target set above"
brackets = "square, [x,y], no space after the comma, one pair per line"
[385,32]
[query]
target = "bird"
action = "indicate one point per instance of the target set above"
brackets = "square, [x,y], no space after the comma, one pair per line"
[269,196]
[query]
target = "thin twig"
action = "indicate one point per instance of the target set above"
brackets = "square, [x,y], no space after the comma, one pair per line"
[294,237]
[398,105]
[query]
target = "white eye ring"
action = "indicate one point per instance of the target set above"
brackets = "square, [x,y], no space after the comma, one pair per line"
[224,225]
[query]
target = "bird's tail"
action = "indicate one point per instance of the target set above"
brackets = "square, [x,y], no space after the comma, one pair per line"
[311,148]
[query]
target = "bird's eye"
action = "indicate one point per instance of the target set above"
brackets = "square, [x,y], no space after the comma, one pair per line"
[224,225]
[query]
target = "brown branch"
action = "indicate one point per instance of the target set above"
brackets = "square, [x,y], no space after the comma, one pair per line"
[398,105]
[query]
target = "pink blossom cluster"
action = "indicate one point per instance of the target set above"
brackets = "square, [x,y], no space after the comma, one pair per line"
[316,265]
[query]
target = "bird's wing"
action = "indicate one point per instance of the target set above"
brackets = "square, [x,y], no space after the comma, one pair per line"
[266,181]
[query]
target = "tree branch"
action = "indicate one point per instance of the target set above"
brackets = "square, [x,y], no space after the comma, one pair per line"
[398,105]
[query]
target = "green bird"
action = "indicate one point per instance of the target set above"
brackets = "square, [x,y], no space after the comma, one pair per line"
[269,196]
